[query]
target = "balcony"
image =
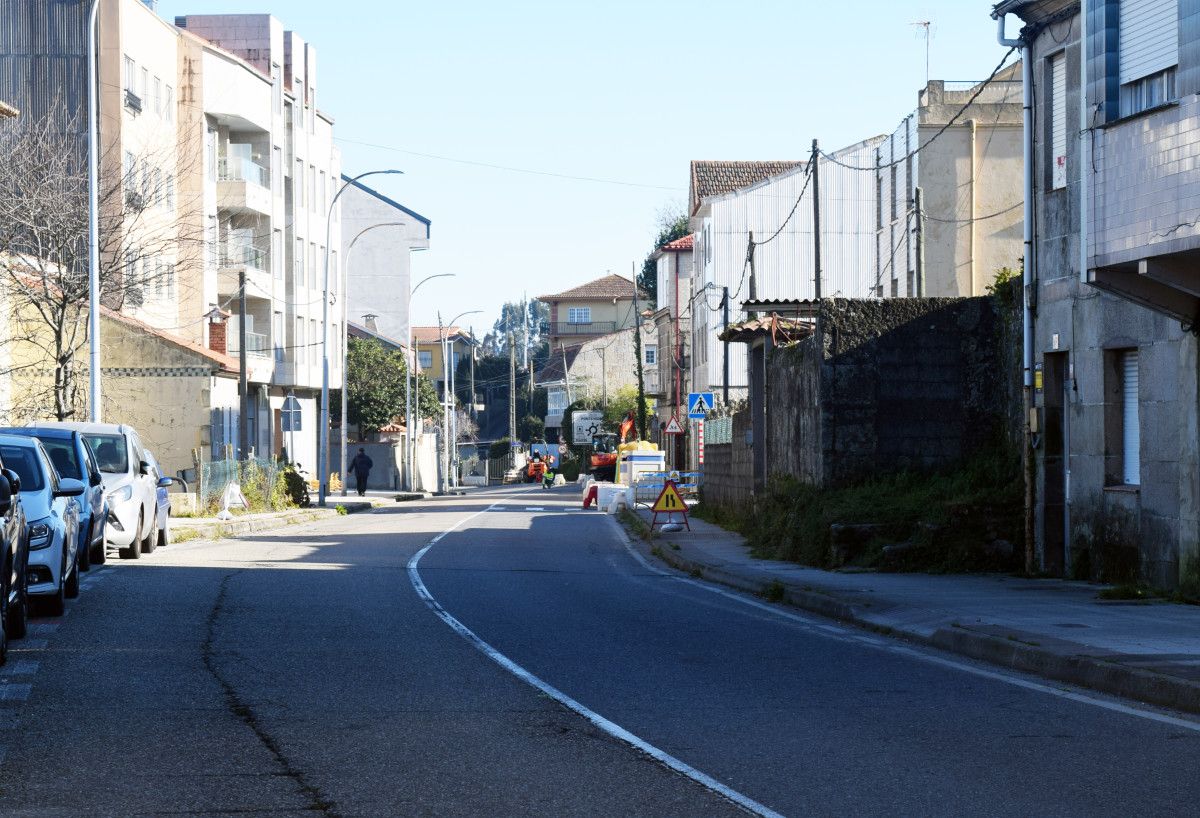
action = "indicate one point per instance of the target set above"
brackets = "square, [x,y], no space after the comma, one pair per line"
[233,260]
[243,186]
[257,344]
[590,328]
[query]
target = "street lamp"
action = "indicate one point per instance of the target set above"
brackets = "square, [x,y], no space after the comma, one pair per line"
[346,345]
[93,219]
[410,385]
[323,449]
[447,398]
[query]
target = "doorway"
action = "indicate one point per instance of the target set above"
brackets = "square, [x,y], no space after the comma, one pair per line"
[1056,460]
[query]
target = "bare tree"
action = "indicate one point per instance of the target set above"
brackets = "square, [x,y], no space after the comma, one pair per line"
[44,254]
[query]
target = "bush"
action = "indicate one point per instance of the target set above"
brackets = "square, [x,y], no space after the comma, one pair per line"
[500,447]
[294,487]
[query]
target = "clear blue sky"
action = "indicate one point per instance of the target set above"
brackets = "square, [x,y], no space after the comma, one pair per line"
[623,90]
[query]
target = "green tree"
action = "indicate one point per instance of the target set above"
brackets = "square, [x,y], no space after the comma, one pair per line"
[621,404]
[375,378]
[672,224]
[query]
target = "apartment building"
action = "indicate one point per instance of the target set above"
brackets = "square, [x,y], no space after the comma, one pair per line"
[668,356]
[1113,294]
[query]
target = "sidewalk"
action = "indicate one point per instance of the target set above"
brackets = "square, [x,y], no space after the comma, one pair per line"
[1053,628]
[184,529]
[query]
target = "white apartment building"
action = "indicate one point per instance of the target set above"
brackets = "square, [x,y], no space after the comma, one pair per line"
[270,172]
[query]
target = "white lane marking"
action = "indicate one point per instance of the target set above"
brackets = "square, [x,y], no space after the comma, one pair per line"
[15,692]
[844,635]
[19,667]
[535,508]
[29,644]
[614,730]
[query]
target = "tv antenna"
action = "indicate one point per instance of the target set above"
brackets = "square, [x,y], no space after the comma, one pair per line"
[928,26]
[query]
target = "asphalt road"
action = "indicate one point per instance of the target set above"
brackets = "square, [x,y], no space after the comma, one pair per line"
[303,673]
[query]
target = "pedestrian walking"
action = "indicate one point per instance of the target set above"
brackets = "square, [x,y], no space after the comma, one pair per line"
[361,466]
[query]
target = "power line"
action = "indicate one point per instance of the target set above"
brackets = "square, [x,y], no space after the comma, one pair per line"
[1008,209]
[508,168]
[978,91]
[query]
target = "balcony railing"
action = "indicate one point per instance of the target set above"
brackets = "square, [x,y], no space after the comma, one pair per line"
[590,328]
[244,255]
[256,344]
[233,169]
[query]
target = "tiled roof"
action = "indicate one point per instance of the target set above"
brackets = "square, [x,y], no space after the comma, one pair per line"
[781,330]
[610,286]
[679,245]
[710,178]
[226,363]
[432,335]
[552,372]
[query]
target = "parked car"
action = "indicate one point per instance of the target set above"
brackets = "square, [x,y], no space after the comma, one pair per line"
[51,508]
[162,518]
[129,487]
[14,604]
[72,458]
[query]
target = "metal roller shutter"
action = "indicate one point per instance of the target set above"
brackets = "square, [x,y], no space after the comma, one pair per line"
[1131,433]
[1058,120]
[1149,37]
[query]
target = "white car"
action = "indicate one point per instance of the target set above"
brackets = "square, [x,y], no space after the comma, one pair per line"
[131,486]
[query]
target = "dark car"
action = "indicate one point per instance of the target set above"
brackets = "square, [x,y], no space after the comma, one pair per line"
[73,458]
[14,604]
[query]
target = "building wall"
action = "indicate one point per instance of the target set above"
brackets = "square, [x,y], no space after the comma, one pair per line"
[379,270]
[1089,524]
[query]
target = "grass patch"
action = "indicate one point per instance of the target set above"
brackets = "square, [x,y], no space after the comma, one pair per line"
[342,510]
[946,516]
[773,591]
[636,524]
[186,535]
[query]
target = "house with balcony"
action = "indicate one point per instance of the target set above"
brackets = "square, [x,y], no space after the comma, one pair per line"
[427,342]
[1112,291]
[596,308]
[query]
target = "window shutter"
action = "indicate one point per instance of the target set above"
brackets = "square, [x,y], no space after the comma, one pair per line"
[1058,121]
[1149,37]
[1131,437]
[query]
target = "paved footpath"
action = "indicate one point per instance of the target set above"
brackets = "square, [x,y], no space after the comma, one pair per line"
[1149,651]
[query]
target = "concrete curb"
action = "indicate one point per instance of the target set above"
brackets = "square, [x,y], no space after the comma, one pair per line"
[238,528]
[1075,669]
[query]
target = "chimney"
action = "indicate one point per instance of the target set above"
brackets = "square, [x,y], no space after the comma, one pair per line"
[216,330]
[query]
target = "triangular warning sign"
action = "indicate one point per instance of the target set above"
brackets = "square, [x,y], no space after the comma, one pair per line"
[669,500]
[673,427]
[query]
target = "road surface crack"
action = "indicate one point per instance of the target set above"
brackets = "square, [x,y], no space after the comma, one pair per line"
[317,801]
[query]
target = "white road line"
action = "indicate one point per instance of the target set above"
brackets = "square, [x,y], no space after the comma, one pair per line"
[614,730]
[28,644]
[19,667]
[845,634]
[15,691]
[535,508]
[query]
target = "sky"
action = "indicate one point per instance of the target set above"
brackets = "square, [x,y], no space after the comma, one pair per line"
[544,138]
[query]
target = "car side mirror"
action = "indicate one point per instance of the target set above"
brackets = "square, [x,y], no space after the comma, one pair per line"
[69,487]
[5,495]
[165,482]
[96,479]
[144,467]
[14,480]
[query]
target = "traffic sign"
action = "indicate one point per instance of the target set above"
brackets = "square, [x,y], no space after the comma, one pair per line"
[699,404]
[673,427]
[669,500]
[289,415]
[562,448]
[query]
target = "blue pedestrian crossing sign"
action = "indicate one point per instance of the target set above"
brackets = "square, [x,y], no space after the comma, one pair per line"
[699,404]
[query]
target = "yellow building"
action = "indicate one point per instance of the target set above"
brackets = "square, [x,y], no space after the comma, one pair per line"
[592,309]
[427,341]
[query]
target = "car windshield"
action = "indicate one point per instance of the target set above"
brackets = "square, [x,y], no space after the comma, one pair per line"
[110,452]
[24,462]
[63,457]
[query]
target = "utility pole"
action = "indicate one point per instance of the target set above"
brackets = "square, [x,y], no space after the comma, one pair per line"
[243,377]
[920,243]
[725,345]
[474,413]
[637,351]
[753,279]
[816,182]
[566,374]
[512,390]
[604,377]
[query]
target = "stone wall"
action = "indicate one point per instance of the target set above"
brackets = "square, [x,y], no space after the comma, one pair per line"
[728,468]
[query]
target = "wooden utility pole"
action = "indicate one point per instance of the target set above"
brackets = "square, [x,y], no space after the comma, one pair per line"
[753,278]
[920,206]
[244,376]
[725,345]
[512,389]
[816,183]
[474,414]
[637,351]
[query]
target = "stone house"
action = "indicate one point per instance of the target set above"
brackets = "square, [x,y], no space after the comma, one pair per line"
[1112,292]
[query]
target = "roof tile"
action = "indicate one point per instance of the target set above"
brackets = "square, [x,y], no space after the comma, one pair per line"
[709,178]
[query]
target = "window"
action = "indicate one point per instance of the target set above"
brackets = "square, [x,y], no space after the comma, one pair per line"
[298,263]
[299,183]
[157,98]
[210,153]
[299,86]
[322,199]
[556,402]
[276,169]
[277,333]
[129,171]
[312,265]
[425,358]
[312,188]
[579,315]
[1057,89]
[277,254]
[301,348]
[314,338]
[171,281]
[276,88]
[170,192]
[651,354]
[144,87]
[168,111]
[1149,52]
[130,75]
[1131,438]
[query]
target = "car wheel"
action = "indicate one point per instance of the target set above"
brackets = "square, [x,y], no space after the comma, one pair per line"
[164,535]
[83,557]
[56,604]
[17,624]
[99,551]
[3,623]
[135,548]
[151,540]
[71,583]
